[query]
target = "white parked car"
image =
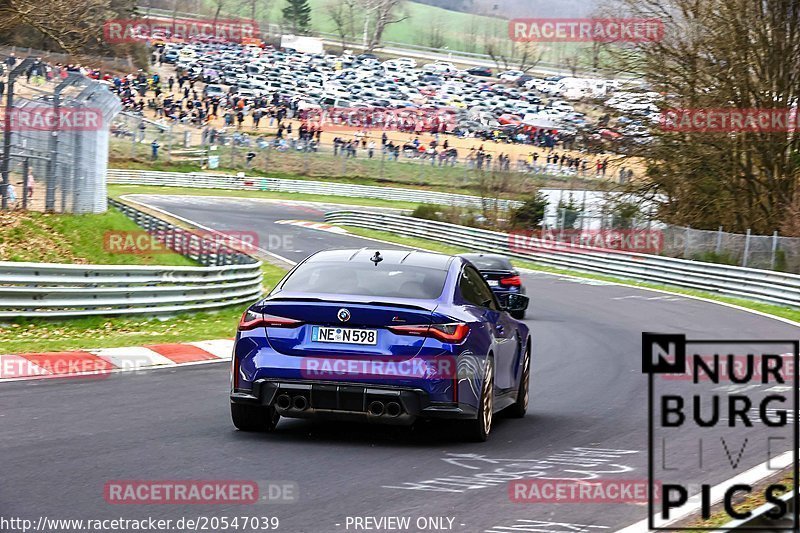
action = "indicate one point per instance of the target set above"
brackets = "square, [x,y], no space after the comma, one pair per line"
[511,75]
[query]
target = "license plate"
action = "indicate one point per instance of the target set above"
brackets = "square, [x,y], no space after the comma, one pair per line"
[493,282]
[344,335]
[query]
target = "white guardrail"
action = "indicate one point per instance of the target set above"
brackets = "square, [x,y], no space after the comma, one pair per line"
[53,290]
[252,183]
[762,285]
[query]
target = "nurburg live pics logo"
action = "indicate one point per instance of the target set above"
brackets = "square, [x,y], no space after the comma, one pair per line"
[737,409]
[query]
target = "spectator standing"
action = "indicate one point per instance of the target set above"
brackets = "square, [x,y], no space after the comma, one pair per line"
[30,184]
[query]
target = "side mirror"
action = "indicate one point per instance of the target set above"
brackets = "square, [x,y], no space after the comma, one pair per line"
[515,302]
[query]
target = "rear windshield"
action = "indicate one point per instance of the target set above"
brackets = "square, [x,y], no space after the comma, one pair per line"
[490,263]
[382,281]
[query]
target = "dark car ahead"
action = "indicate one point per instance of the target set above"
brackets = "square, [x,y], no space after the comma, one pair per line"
[500,274]
[385,337]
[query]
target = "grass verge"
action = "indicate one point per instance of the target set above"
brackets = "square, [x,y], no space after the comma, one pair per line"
[37,335]
[74,239]
[750,503]
[776,310]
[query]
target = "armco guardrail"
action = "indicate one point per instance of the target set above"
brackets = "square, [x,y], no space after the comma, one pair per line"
[763,524]
[53,290]
[227,181]
[762,285]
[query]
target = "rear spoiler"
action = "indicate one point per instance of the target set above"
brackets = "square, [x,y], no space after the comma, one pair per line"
[361,301]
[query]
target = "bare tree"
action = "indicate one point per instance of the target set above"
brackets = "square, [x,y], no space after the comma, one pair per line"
[529,56]
[218,5]
[72,25]
[470,44]
[572,61]
[739,54]
[434,35]
[343,15]
[377,15]
[254,5]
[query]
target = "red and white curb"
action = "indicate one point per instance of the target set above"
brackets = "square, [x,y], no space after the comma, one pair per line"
[104,361]
[312,225]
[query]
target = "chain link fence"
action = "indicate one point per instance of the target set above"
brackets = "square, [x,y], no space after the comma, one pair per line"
[55,138]
[212,149]
[595,211]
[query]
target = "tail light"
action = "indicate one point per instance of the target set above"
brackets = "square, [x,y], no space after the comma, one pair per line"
[452,333]
[513,281]
[251,320]
[235,372]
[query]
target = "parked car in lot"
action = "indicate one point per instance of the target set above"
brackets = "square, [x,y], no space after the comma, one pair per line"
[365,81]
[318,346]
[485,72]
[511,75]
[214,91]
[500,274]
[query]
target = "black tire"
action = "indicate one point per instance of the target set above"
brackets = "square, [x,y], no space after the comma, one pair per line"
[254,417]
[520,407]
[519,315]
[478,430]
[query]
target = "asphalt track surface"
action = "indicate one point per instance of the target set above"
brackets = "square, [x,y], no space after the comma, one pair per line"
[62,440]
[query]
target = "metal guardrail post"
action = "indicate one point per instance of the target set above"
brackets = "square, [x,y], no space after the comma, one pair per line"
[746,256]
[774,250]
[6,163]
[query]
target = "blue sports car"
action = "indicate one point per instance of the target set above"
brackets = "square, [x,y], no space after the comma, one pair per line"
[386,337]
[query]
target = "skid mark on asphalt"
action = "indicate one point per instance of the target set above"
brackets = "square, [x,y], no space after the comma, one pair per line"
[543,526]
[486,472]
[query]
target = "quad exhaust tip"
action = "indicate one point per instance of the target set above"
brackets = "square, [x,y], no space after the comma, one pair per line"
[393,409]
[283,401]
[376,408]
[300,403]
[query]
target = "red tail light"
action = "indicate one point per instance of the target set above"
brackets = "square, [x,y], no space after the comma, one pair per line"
[251,320]
[452,333]
[235,373]
[513,281]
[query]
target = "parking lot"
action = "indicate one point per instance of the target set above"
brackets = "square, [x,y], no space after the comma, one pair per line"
[510,114]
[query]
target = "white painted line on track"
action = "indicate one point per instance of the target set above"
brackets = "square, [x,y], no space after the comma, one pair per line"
[221,348]
[126,357]
[206,228]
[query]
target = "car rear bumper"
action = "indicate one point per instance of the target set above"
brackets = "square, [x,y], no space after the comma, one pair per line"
[380,404]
